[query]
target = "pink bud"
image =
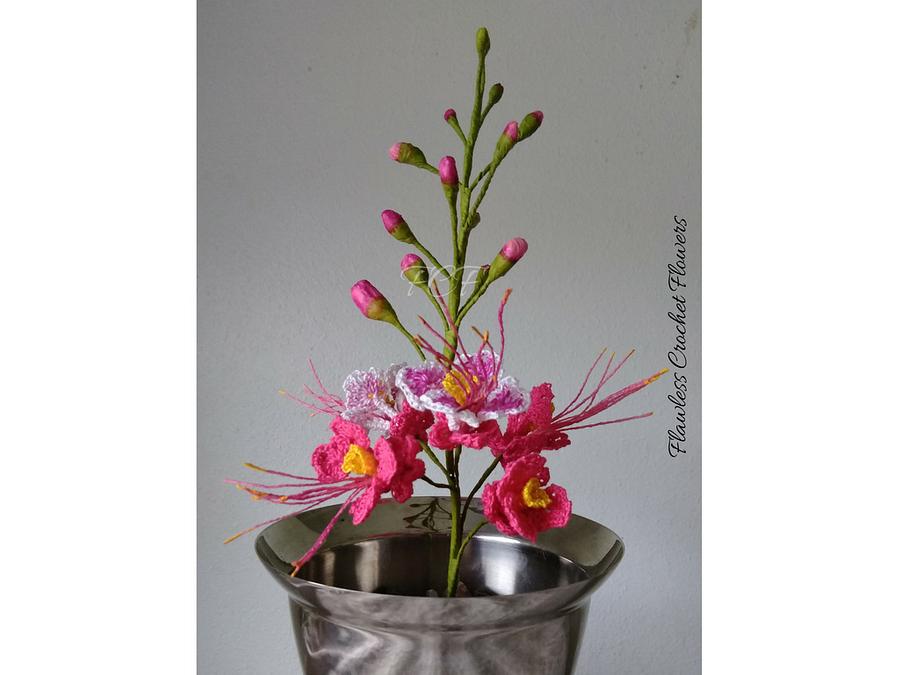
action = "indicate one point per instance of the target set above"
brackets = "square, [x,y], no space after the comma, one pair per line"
[407,153]
[391,220]
[371,302]
[539,115]
[410,260]
[512,252]
[397,227]
[514,249]
[450,112]
[413,268]
[447,171]
[512,131]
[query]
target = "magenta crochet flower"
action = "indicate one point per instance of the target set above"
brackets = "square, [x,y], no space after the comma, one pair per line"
[532,431]
[542,428]
[521,503]
[345,466]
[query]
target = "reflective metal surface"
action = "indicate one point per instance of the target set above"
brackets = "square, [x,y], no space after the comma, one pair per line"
[358,606]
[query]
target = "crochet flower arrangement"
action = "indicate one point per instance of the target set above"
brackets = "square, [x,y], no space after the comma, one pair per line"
[452,398]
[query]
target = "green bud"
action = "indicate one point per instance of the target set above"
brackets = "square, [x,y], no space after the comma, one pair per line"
[407,153]
[482,42]
[507,140]
[415,271]
[530,124]
[495,94]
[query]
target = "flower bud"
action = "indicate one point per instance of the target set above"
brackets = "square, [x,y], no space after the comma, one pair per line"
[407,153]
[508,139]
[449,178]
[450,118]
[509,255]
[530,124]
[495,94]
[414,269]
[482,42]
[447,171]
[372,303]
[473,223]
[397,227]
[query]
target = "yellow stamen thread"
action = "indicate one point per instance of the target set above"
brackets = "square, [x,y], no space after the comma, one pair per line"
[254,467]
[256,494]
[458,386]
[359,460]
[234,536]
[534,495]
[654,378]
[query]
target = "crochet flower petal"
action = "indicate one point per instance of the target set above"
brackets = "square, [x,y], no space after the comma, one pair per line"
[365,503]
[327,460]
[415,381]
[442,436]
[411,422]
[506,399]
[398,466]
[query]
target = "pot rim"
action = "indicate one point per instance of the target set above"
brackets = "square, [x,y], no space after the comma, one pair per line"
[592,547]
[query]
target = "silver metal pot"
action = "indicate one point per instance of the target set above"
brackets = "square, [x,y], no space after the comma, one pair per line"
[359,606]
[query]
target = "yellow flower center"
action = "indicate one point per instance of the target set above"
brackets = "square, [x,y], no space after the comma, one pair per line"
[534,495]
[359,460]
[458,386]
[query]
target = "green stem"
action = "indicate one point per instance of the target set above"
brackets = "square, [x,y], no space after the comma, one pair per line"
[484,189]
[435,483]
[484,172]
[475,121]
[437,307]
[428,451]
[470,536]
[477,487]
[411,339]
[471,301]
[453,563]
[434,261]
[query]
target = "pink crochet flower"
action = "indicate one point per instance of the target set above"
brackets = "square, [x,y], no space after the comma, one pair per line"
[532,431]
[346,465]
[521,503]
[541,428]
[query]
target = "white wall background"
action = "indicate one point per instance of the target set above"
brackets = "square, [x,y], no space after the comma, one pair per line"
[298,103]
